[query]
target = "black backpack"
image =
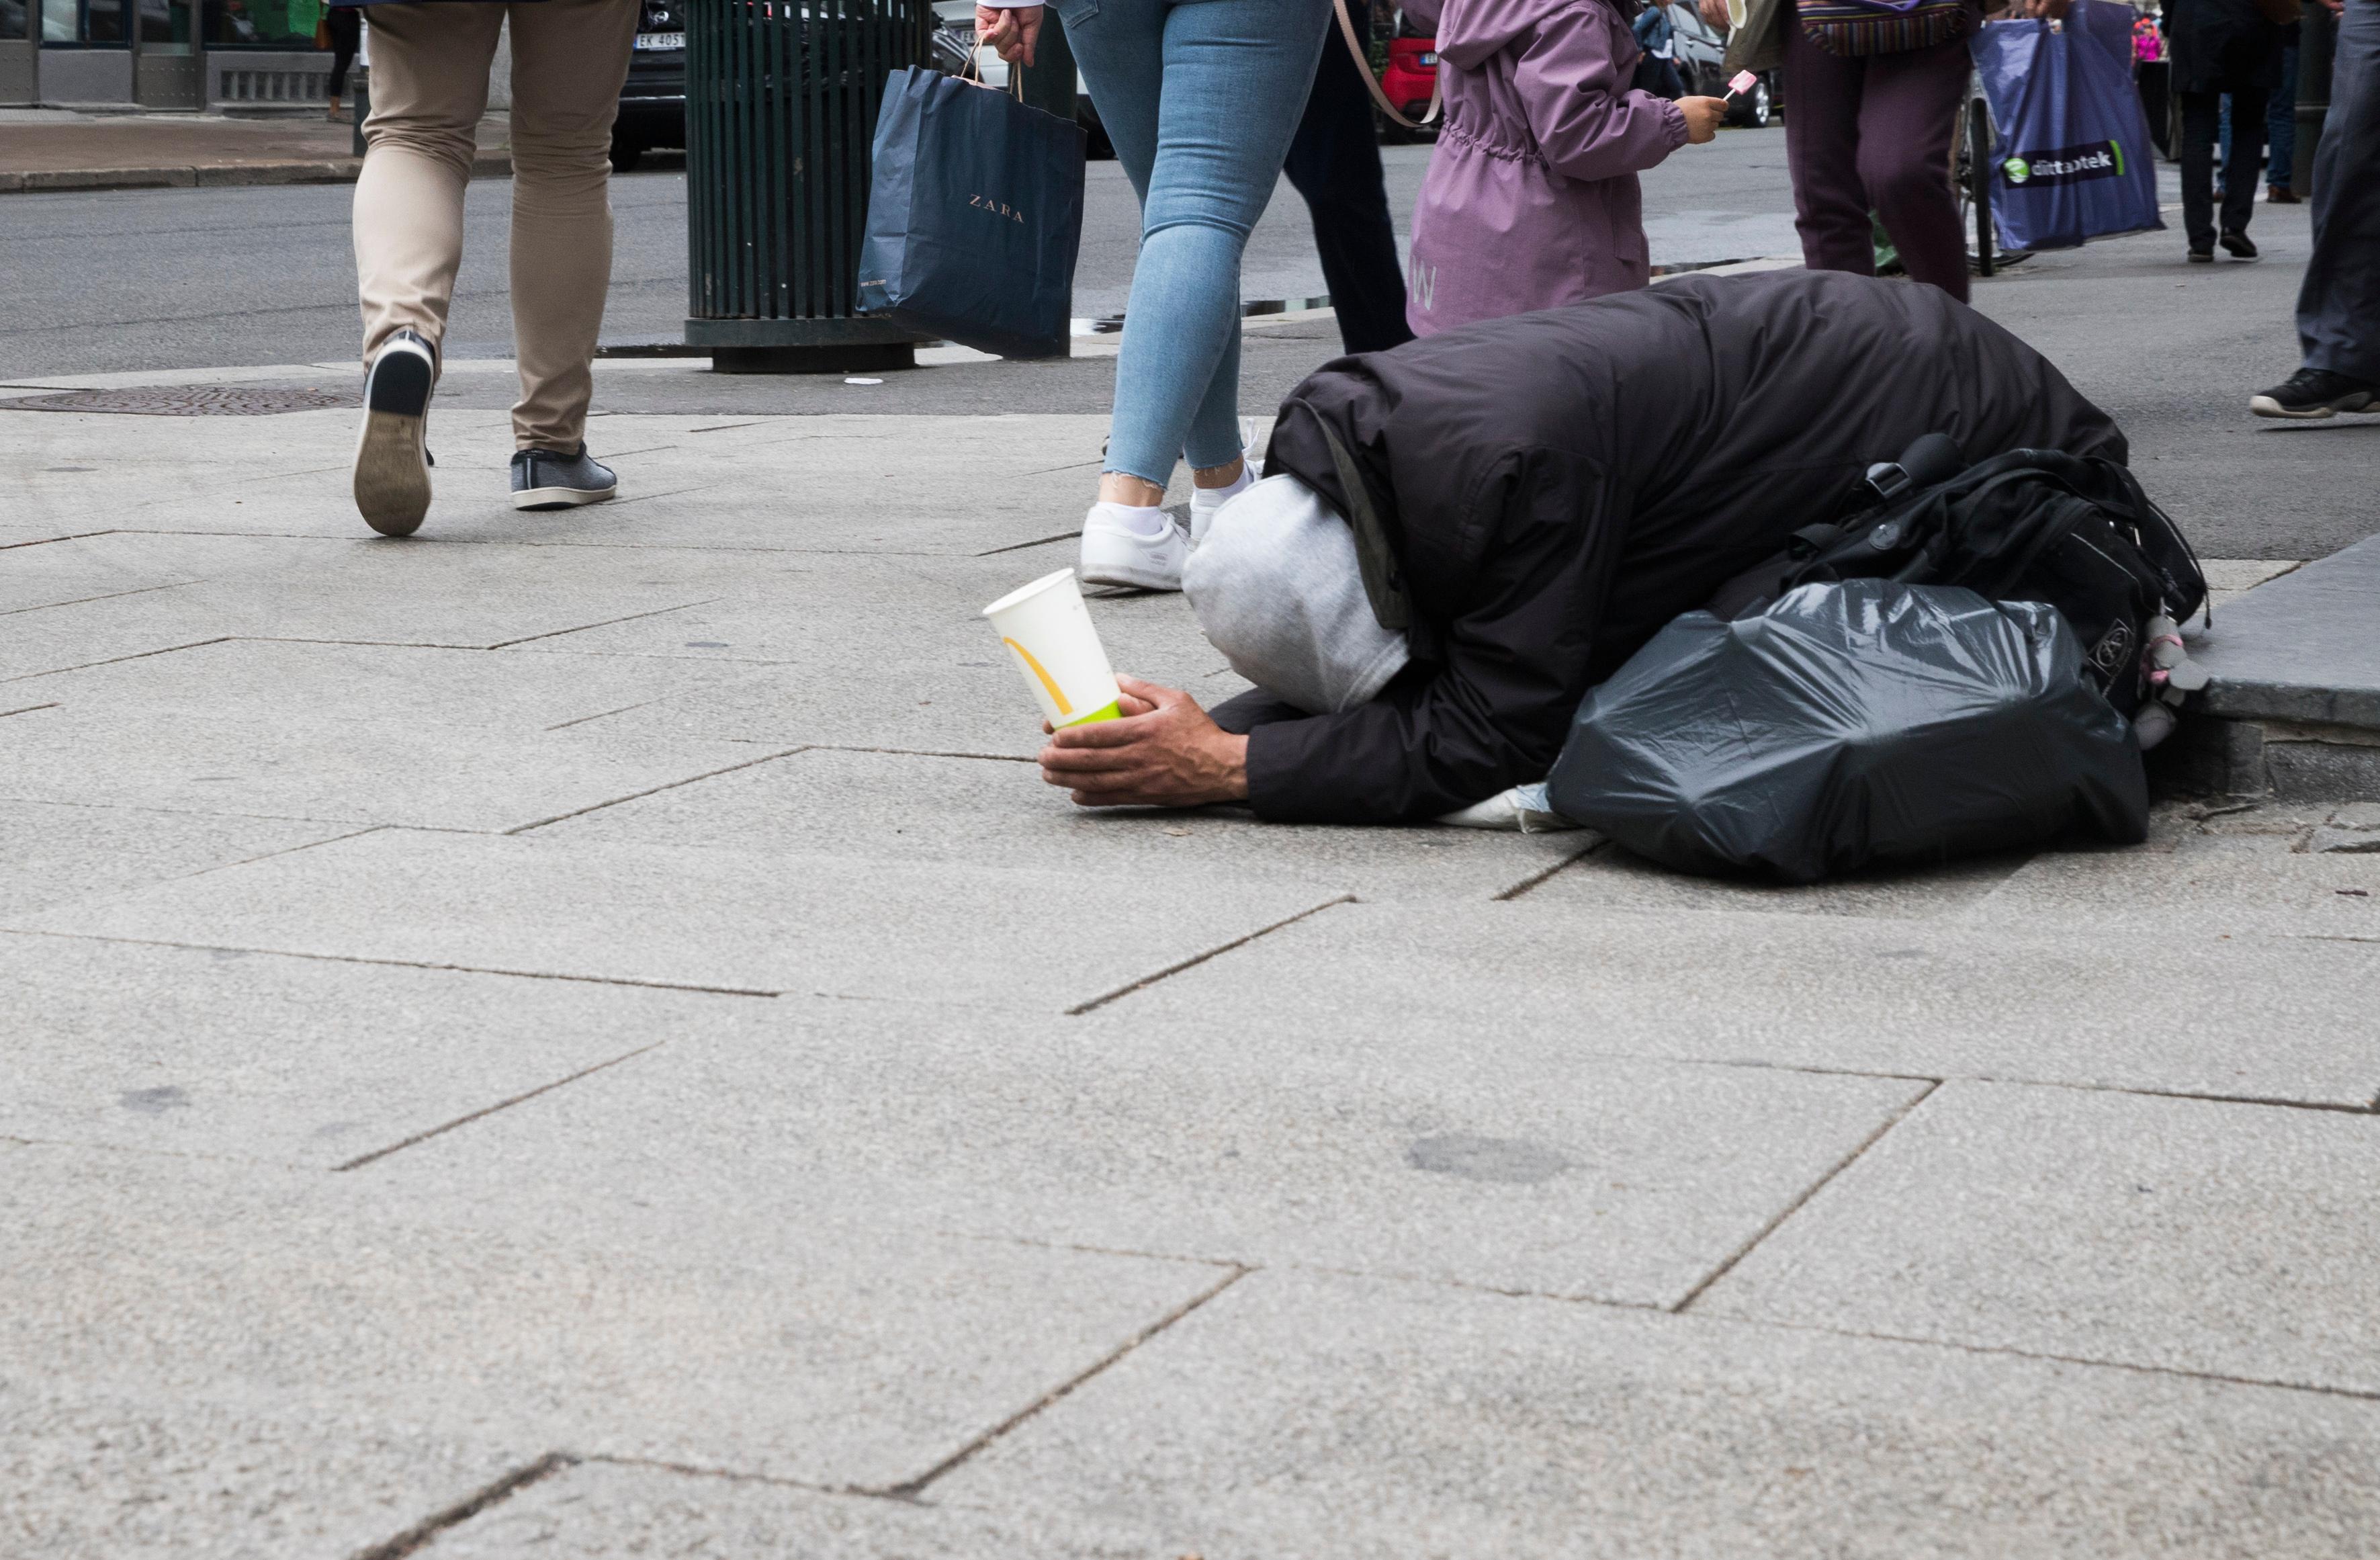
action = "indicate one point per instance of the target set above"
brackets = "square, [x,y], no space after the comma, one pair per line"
[2033,525]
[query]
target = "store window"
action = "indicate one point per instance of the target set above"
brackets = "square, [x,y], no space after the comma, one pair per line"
[82,21]
[13,19]
[262,24]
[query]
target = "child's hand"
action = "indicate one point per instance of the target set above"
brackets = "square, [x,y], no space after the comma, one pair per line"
[1703,114]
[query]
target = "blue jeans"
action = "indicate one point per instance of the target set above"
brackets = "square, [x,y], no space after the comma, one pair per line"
[1200,98]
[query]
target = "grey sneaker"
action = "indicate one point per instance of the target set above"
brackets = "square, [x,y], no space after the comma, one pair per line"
[544,479]
[392,480]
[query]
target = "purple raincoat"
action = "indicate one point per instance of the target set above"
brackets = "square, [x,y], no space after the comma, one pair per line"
[1531,198]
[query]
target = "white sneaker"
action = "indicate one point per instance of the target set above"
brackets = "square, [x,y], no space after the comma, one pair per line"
[1207,503]
[1116,554]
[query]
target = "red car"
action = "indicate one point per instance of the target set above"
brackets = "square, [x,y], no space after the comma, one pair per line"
[1410,76]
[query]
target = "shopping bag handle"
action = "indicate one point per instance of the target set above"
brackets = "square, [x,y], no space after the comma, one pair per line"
[1364,68]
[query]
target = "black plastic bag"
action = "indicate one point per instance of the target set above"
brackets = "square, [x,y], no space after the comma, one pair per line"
[1853,722]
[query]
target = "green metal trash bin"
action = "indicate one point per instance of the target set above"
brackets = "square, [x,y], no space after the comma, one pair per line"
[781,103]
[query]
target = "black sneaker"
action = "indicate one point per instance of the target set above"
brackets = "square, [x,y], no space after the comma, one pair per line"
[544,479]
[2201,257]
[2313,394]
[2239,246]
[391,480]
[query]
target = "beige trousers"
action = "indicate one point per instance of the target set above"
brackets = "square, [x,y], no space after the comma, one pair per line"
[428,88]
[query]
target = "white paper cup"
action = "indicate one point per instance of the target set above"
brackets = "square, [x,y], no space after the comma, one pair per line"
[1049,632]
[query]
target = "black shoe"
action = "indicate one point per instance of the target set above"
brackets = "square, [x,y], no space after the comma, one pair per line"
[2312,394]
[392,480]
[544,479]
[2239,246]
[2201,257]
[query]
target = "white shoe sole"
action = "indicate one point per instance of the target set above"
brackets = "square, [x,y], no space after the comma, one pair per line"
[560,497]
[1130,575]
[391,476]
[2265,406]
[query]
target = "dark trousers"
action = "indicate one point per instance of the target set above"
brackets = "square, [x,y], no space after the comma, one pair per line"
[2154,76]
[2202,119]
[2281,123]
[345,25]
[1335,163]
[2338,307]
[1872,133]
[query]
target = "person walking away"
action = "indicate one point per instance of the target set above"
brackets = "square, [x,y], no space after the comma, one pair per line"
[2149,74]
[2281,127]
[1656,35]
[430,87]
[1201,98]
[1870,132]
[1531,199]
[2338,304]
[2219,46]
[1334,162]
[346,26]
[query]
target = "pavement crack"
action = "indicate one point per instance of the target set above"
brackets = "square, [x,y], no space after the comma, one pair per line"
[470,1505]
[605,714]
[28,708]
[465,1120]
[1198,958]
[655,790]
[114,659]
[46,541]
[924,753]
[1021,546]
[1526,884]
[911,1489]
[1797,1203]
[586,628]
[103,596]
[404,963]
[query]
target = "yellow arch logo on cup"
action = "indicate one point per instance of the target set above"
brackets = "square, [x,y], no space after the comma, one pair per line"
[1058,651]
[1048,683]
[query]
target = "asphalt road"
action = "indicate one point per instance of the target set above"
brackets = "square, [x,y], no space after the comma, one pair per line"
[165,279]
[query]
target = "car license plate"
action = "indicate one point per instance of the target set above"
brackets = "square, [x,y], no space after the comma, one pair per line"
[1429,59]
[661,40]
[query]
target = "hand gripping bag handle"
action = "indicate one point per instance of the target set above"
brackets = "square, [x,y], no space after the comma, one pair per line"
[1364,68]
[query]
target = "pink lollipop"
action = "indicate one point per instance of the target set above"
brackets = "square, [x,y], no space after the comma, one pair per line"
[1743,79]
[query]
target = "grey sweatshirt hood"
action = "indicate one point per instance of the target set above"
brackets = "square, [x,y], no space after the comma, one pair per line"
[1277,589]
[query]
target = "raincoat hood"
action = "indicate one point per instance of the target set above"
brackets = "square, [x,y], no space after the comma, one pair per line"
[1277,587]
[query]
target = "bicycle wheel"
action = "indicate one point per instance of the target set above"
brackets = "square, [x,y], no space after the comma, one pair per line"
[1979,181]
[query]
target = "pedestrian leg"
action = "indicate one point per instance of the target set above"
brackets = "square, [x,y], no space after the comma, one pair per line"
[2338,306]
[2242,172]
[2200,112]
[1822,145]
[1907,113]
[569,60]
[2281,130]
[429,85]
[1335,163]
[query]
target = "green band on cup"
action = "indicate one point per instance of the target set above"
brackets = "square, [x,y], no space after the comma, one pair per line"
[1110,712]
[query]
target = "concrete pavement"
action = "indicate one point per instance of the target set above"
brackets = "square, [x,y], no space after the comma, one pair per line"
[579,1035]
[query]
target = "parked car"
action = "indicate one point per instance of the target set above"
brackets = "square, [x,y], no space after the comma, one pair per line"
[1409,79]
[1702,54]
[653,102]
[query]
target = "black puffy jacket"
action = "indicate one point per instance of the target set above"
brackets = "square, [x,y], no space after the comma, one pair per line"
[1550,489]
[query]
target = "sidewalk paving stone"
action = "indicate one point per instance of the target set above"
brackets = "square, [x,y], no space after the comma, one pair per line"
[2181,1234]
[1326,1418]
[299,1061]
[94,1475]
[419,686]
[1613,878]
[2213,884]
[526,1316]
[56,853]
[704,919]
[2122,1007]
[355,772]
[991,813]
[1392,1153]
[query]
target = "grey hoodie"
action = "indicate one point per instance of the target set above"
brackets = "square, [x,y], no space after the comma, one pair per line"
[1277,589]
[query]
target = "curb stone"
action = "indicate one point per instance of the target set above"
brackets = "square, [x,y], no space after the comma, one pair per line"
[328,170]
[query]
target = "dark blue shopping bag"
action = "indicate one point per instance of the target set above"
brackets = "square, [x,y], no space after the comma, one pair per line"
[2072,161]
[975,216]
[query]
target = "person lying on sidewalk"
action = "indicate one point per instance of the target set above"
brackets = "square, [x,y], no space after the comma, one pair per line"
[1468,533]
